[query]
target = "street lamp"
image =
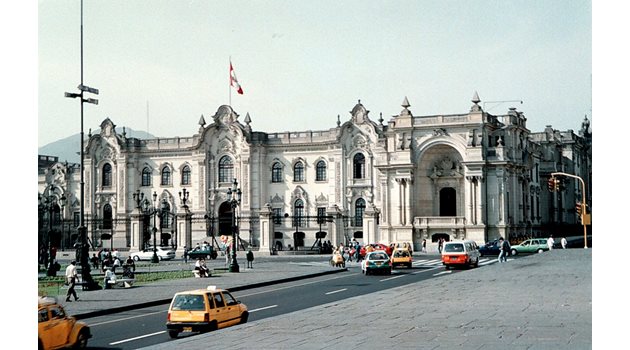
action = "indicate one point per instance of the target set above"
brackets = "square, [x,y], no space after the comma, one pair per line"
[83,250]
[234,197]
[153,211]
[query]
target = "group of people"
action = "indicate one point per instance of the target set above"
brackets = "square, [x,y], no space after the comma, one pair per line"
[551,242]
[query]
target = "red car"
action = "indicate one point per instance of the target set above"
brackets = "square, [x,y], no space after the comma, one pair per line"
[376,246]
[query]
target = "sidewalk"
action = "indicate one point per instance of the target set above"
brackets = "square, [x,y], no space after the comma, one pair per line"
[102,302]
[542,301]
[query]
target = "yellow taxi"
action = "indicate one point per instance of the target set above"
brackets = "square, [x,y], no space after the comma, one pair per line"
[56,330]
[203,310]
[401,257]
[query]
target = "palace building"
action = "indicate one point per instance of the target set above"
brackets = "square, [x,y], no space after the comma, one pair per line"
[464,176]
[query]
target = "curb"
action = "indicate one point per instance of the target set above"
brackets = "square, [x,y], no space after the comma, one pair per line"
[233,289]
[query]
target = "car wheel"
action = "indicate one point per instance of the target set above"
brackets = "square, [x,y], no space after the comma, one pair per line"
[540,250]
[514,252]
[476,263]
[136,258]
[448,267]
[244,317]
[82,340]
[173,334]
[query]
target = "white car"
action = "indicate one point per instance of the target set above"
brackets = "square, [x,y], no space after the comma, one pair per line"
[376,261]
[163,253]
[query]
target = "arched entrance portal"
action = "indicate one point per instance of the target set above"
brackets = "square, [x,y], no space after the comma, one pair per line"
[448,205]
[225,219]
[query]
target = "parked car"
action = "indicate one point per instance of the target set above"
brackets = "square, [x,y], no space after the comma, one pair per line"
[401,257]
[55,329]
[207,252]
[376,261]
[490,248]
[534,245]
[375,246]
[203,310]
[465,253]
[163,253]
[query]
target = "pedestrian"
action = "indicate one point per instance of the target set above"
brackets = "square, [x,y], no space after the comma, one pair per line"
[71,277]
[185,255]
[94,261]
[109,276]
[440,243]
[550,242]
[130,263]
[504,250]
[563,242]
[200,265]
[250,259]
[424,245]
[227,255]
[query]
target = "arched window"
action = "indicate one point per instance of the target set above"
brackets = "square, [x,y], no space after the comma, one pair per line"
[166,218]
[359,208]
[107,217]
[146,177]
[107,175]
[186,175]
[276,172]
[320,171]
[298,214]
[226,169]
[298,172]
[358,166]
[166,176]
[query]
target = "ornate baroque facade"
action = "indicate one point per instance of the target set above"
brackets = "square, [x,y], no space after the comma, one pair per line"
[465,176]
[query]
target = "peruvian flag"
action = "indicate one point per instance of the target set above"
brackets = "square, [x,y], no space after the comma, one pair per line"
[234,81]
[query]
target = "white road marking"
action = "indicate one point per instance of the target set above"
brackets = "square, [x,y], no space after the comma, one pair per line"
[427,270]
[136,338]
[126,318]
[442,273]
[336,291]
[263,308]
[391,278]
[291,286]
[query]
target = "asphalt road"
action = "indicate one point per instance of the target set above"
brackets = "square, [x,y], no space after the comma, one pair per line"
[145,327]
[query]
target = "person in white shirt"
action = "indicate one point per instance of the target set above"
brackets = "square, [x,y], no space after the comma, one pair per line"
[109,276]
[563,242]
[550,242]
[71,277]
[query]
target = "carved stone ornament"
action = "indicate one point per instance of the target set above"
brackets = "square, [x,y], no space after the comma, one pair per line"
[440,132]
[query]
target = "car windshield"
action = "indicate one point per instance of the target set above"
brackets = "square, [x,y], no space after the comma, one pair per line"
[454,248]
[401,254]
[378,256]
[188,302]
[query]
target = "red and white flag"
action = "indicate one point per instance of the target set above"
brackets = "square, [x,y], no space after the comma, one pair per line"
[234,81]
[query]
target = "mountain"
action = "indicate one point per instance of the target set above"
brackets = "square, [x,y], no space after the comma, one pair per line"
[68,149]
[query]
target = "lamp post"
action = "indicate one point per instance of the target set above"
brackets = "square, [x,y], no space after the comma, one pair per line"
[234,197]
[83,249]
[153,211]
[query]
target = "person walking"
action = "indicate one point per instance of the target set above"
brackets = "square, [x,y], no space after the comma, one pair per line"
[440,244]
[71,277]
[550,242]
[185,255]
[95,261]
[250,259]
[504,249]
[424,245]
[563,242]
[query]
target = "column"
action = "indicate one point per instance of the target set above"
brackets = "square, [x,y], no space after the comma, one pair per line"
[266,229]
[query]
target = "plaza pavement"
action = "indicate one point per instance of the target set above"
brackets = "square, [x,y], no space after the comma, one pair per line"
[541,301]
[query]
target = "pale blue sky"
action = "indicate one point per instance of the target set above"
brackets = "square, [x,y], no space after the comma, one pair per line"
[303,63]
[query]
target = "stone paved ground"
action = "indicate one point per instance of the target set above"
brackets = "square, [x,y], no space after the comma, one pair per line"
[543,301]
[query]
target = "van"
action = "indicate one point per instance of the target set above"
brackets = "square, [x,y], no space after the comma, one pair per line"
[462,253]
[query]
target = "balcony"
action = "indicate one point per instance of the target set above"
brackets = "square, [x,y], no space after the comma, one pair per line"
[439,222]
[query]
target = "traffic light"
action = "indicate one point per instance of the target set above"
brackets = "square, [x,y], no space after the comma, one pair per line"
[578,208]
[553,184]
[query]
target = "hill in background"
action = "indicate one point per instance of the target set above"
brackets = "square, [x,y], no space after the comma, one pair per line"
[68,149]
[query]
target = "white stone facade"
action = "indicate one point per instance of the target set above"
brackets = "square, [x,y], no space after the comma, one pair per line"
[466,176]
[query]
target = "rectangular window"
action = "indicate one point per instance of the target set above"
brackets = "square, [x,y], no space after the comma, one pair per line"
[277,216]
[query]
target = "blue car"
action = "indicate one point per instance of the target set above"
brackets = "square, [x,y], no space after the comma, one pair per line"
[490,248]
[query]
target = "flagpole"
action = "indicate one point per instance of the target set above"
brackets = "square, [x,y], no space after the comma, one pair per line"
[230,85]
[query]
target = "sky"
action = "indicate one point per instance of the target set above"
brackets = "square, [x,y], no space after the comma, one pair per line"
[161,64]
